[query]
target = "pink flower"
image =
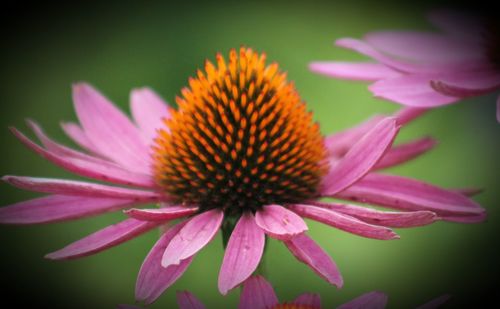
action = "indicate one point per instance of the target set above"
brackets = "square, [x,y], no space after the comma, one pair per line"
[241,155]
[427,69]
[257,293]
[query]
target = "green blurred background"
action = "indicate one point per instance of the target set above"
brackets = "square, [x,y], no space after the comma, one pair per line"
[117,47]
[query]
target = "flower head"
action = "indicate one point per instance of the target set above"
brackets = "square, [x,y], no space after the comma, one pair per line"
[241,154]
[258,293]
[427,69]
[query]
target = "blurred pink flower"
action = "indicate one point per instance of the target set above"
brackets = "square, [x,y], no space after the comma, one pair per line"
[133,154]
[427,69]
[257,293]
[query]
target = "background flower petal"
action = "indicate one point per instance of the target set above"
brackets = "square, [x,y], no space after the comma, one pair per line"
[257,293]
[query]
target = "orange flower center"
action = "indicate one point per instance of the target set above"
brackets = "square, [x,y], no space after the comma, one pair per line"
[241,138]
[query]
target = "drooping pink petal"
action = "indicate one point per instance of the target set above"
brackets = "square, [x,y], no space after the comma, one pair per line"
[461,25]
[80,188]
[161,214]
[361,158]
[407,114]
[425,47]
[104,171]
[467,84]
[363,71]
[339,143]
[195,235]
[76,133]
[186,300]
[56,208]
[406,152]
[310,253]
[243,253]
[409,194]
[57,148]
[383,218]
[101,240]
[411,90]
[310,300]
[153,279]
[279,222]
[109,130]
[344,222]
[372,300]
[435,303]
[257,293]
[407,66]
[148,110]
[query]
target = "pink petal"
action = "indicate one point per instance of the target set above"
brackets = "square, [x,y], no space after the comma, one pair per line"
[411,90]
[80,188]
[153,279]
[382,218]
[257,293]
[409,194]
[243,253]
[372,300]
[310,253]
[406,114]
[76,133]
[426,47]
[422,68]
[279,222]
[148,110]
[161,214]
[112,133]
[56,208]
[363,71]
[104,171]
[106,238]
[195,235]
[344,222]
[57,148]
[435,303]
[309,300]
[467,84]
[186,300]
[406,152]
[339,143]
[361,158]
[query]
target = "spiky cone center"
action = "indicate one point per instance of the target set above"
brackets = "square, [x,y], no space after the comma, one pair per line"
[240,139]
